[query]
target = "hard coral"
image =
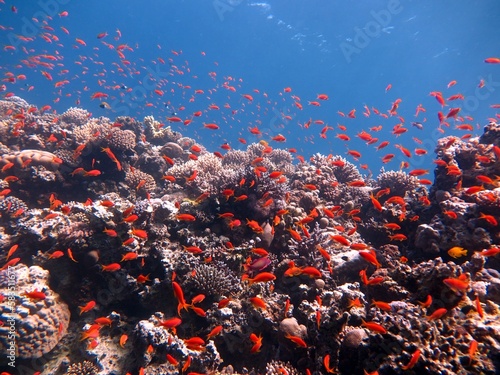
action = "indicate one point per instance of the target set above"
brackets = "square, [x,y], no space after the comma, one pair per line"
[134,180]
[11,205]
[399,182]
[121,140]
[491,134]
[40,323]
[75,116]
[279,367]
[214,279]
[93,132]
[34,157]
[157,134]
[82,368]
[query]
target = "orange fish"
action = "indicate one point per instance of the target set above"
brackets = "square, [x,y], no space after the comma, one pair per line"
[297,340]
[113,267]
[257,341]
[214,332]
[141,233]
[326,363]
[10,263]
[12,250]
[370,257]
[492,60]
[35,294]
[262,277]
[413,360]
[123,340]
[457,284]
[185,217]
[437,314]
[374,327]
[86,308]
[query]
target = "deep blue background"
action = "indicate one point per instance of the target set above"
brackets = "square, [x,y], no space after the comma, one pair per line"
[269,46]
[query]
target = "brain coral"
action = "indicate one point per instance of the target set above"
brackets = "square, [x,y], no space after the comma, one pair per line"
[37,157]
[39,323]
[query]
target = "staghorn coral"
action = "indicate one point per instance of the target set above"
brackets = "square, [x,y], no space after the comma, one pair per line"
[347,172]
[130,123]
[40,323]
[67,157]
[236,158]
[76,234]
[282,160]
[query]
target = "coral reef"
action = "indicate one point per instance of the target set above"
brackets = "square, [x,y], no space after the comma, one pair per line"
[172,259]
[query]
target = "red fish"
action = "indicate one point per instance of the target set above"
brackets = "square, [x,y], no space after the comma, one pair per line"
[492,60]
[86,308]
[413,360]
[374,327]
[297,341]
[262,277]
[179,295]
[113,267]
[185,217]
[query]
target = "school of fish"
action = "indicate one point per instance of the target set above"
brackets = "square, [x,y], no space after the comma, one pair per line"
[335,262]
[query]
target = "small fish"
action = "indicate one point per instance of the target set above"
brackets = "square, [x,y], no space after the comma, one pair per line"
[257,341]
[214,332]
[123,340]
[375,327]
[86,308]
[413,360]
[262,277]
[460,284]
[297,341]
[35,294]
[457,252]
[113,267]
[437,314]
[185,217]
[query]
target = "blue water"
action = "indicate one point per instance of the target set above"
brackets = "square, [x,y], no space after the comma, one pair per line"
[349,50]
